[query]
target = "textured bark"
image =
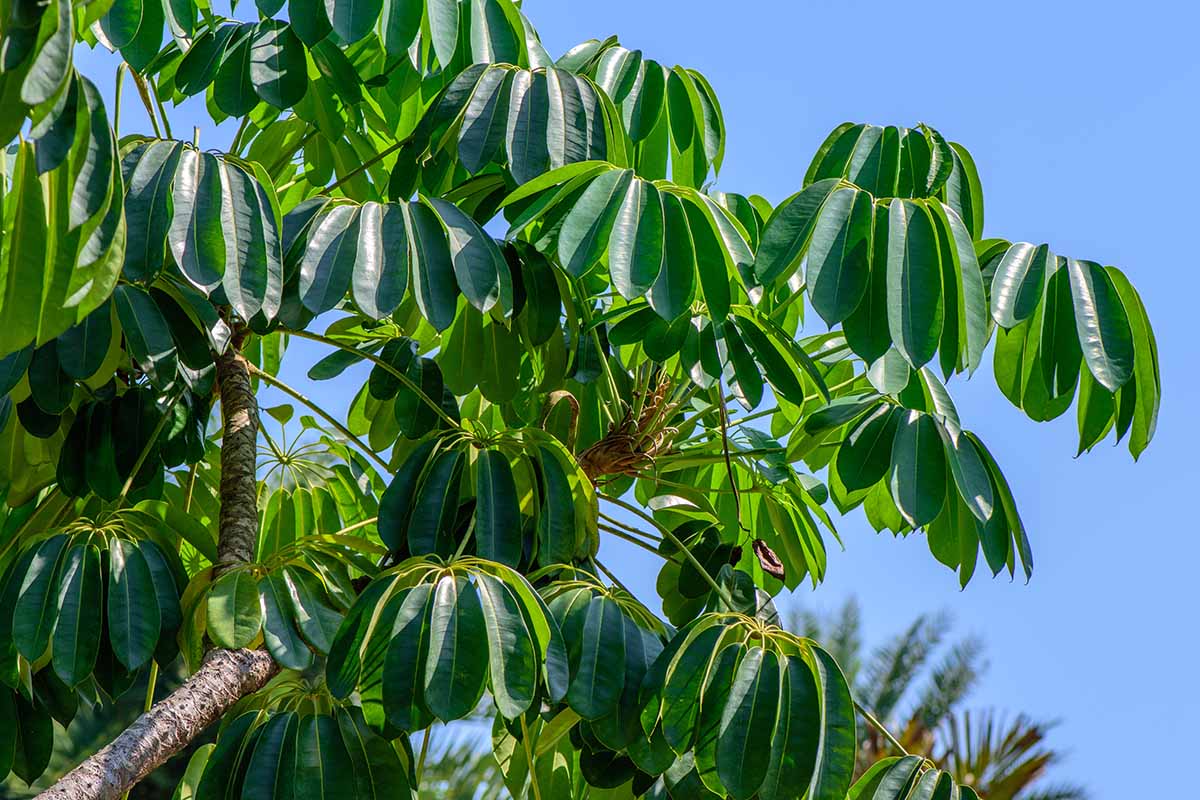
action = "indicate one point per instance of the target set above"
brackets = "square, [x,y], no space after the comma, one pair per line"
[225,677]
[239,509]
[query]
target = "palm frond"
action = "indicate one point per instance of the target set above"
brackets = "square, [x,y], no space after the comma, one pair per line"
[892,668]
[949,684]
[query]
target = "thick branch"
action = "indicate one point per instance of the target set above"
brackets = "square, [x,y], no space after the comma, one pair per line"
[239,501]
[225,677]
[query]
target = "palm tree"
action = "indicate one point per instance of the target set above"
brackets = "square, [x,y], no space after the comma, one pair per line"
[917,683]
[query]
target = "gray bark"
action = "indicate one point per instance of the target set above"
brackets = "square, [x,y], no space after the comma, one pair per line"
[226,675]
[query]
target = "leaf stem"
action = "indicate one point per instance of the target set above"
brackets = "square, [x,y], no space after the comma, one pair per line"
[386,367]
[142,456]
[366,165]
[879,726]
[537,792]
[298,397]
[673,539]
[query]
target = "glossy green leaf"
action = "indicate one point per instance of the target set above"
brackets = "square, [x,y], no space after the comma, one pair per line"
[436,505]
[456,667]
[497,511]
[433,281]
[329,260]
[1018,282]
[234,612]
[278,69]
[323,767]
[1102,324]
[747,724]
[482,273]
[380,275]
[636,243]
[270,771]
[672,292]
[34,616]
[557,536]
[279,632]
[918,471]
[404,665]
[596,687]
[353,19]
[786,235]
[839,255]
[914,282]
[133,616]
[865,455]
[835,758]
[585,232]
[513,661]
[77,633]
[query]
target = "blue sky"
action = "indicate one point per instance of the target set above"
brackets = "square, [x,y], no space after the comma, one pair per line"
[1082,122]
[1077,117]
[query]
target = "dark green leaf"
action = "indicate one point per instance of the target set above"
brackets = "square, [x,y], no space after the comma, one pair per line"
[456,667]
[234,615]
[498,510]
[133,617]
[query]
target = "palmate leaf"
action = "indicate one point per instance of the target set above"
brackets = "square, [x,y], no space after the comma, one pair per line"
[430,620]
[716,687]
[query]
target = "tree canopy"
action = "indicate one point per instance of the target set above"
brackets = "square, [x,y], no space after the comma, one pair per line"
[572,336]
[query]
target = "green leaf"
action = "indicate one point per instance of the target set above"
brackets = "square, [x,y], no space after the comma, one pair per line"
[436,505]
[233,91]
[914,282]
[272,764]
[329,259]
[166,587]
[835,758]
[528,120]
[318,623]
[442,16]
[401,23]
[80,601]
[148,207]
[395,506]
[865,455]
[918,472]
[513,660]
[795,744]
[234,616]
[323,767]
[786,235]
[557,535]
[404,664]
[279,632]
[886,779]
[456,667]
[746,383]
[1102,324]
[672,292]
[585,232]
[34,741]
[969,473]
[381,264]
[636,243]
[433,282]
[482,273]
[353,19]
[1145,364]
[484,121]
[1018,281]
[196,236]
[310,20]
[253,276]
[839,256]
[278,69]
[596,687]
[684,681]
[34,616]
[747,724]
[567,119]
[498,511]
[133,616]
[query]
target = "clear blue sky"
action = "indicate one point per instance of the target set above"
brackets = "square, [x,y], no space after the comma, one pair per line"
[1082,122]
[1081,118]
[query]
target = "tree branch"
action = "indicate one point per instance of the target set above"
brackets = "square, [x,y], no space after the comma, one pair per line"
[226,675]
